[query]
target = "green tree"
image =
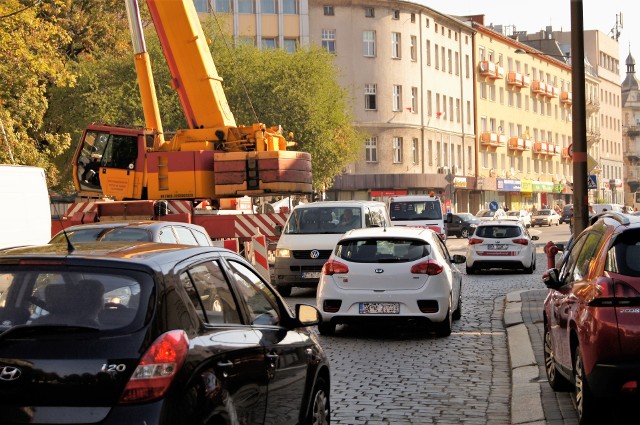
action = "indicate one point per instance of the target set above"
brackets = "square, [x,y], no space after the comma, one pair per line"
[30,62]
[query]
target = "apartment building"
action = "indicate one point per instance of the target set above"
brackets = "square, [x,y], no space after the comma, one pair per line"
[631,133]
[410,72]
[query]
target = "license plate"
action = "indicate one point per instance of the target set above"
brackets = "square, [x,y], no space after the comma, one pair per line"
[311,275]
[497,246]
[379,308]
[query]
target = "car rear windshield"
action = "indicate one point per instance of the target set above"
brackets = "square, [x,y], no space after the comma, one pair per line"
[415,210]
[382,250]
[498,232]
[624,256]
[87,298]
[101,234]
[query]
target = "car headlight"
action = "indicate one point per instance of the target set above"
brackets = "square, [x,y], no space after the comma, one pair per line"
[283,253]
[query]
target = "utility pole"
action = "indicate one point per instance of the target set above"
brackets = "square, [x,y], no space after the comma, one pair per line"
[579,126]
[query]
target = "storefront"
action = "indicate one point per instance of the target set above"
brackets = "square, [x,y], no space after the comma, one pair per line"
[543,194]
[509,193]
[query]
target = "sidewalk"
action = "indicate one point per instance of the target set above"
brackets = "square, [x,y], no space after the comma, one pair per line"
[533,402]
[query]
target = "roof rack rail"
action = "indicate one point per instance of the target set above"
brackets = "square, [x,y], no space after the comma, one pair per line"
[618,216]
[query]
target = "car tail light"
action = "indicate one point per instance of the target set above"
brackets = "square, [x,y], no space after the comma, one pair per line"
[611,292]
[157,369]
[427,267]
[475,241]
[332,267]
[630,387]
[521,241]
[331,306]
[428,306]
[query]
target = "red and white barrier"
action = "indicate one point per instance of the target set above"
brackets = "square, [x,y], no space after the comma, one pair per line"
[259,257]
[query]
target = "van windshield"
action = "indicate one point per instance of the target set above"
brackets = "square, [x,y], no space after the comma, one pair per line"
[415,210]
[326,220]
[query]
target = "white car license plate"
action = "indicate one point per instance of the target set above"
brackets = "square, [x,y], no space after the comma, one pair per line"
[311,275]
[379,308]
[497,246]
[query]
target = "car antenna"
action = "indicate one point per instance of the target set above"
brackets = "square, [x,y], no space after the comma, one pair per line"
[70,247]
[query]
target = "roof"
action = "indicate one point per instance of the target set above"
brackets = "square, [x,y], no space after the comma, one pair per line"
[390,232]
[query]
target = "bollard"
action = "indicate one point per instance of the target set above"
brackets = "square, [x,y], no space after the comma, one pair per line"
[550,249]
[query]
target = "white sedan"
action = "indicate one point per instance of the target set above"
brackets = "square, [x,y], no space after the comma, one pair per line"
[501,244]
[392,275]
[545,218]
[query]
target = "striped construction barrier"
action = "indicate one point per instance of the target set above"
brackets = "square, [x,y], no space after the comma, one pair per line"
[259,257]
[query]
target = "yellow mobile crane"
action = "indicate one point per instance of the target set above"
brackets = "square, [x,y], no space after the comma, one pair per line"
[213,158]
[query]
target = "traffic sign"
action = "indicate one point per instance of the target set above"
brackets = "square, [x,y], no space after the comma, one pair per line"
[592,182]
[493,206]
[570,151]
[591,163]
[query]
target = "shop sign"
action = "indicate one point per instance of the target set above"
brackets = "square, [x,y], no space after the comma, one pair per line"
[544,187]
[388,192]
[526,186]
[460,182]
[508,185]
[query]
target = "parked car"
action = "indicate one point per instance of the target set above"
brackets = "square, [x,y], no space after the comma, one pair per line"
[521,216]
[393,275]
[546,217]
[566,213]
[142,231]
[591,320]
[486,214]
[462,225]
[115,332]
[501,244]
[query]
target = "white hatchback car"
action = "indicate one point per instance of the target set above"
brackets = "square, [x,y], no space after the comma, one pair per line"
[391,275]
[501,244]
[519,215]
[485,214]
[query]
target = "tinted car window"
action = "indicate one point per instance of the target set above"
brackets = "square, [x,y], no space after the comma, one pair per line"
[261,302]
[415,210]
[382,250]
[209,291]
[102,300]
[111,234]
[498,232]
[624,256]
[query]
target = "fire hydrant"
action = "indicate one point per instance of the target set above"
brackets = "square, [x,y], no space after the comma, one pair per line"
[550,249]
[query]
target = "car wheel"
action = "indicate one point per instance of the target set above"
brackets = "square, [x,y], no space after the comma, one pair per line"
[556,380]
[585,402]
[443,329]
[470,270]
[457,314]
[319,411]
[327,328]
[285,291]
[465,233]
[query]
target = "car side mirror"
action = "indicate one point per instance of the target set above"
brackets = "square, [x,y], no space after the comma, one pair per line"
[551,279]
[277,229]
[458,259]
[308,315]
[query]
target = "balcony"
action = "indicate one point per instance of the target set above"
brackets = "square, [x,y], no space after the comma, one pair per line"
[633,130]
[593,135]
[489,138]
[499,71]
[566,98]
[516,144]
[541,148]
[515,79]
[592,104]
[632,154]
[539,87]
[489,69]
[554,149]
[552,91]
[632,176]
[526,81]
[565,153]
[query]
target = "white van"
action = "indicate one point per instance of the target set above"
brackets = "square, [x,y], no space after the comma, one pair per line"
[24,206]
[418,211]
[312,232]
[598,208]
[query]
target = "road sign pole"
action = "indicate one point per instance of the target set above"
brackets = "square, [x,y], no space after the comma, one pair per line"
[579,127]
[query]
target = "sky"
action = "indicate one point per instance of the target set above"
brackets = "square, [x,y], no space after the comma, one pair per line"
[533,16]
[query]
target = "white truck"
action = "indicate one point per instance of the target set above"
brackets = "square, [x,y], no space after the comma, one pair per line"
[25,213]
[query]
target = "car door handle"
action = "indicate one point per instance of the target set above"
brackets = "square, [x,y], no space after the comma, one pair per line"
[225,365]
[272,358]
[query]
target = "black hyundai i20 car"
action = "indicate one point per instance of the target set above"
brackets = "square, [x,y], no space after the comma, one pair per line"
[112,333]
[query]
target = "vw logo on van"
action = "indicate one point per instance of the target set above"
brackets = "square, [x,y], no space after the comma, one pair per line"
[9,373]
[314,253]
[379,270]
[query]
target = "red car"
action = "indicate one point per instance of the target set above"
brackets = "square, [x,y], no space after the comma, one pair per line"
[592,316]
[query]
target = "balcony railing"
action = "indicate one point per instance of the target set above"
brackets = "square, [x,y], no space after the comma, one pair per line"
[490,70]
[566,98]
[539,87]
[633,130]
[565,153]
[515,79]
[489,138]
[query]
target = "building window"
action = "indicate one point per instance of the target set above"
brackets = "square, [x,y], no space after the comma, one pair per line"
[371,149]
[329,40]
[428,52]
[328,10]
[414,151]
[450,61]
[246,41]
[397,150]
[223,6]
[429,107]
[414,99]
[457,64]
[395,45]
[290,7]
[413,18]
[268,6]
[397,98]
[369,43]
[437,57]
[269,43]
[370,103]
[290,45]
[369,12]
[430,147]
[396,14]
[413,48]
[245,6]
